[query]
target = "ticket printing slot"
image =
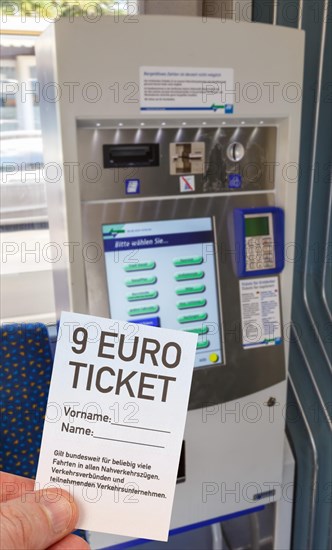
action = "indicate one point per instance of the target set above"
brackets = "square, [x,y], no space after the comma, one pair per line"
[122,156]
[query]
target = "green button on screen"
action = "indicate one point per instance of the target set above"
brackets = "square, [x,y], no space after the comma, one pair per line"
[193,303]
[190,290]
[141,281]
[192,318]
[142,295]
[140,267]
[201,330]
[143,310]
[180,262]
[189,276]
[203,345]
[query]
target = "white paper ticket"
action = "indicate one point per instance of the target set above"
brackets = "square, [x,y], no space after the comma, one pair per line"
[115,420]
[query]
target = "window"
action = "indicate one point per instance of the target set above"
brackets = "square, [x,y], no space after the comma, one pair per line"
[26,290]
[26,284]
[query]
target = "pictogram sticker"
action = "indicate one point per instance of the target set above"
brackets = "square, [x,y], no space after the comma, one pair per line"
[187,184]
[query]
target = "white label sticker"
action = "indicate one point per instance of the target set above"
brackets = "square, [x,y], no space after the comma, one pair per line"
[260,312]
[115,420]
[186,88]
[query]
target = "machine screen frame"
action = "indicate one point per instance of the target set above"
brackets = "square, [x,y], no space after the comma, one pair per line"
[245,370]
[218,319]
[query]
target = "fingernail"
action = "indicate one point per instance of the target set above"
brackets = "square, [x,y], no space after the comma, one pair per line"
[59,511]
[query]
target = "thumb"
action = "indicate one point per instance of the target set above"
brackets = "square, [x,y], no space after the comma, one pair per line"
[36,520]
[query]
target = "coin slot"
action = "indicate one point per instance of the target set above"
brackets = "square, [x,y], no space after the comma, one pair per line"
[235,151]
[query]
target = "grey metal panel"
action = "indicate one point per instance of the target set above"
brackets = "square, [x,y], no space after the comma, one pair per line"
[256,167]
[244,372]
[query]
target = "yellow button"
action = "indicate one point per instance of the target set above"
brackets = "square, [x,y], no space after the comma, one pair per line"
[214,357]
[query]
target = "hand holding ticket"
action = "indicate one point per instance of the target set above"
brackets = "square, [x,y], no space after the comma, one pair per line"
[115,421]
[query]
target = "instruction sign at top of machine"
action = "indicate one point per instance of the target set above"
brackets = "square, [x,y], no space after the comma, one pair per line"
[186,89]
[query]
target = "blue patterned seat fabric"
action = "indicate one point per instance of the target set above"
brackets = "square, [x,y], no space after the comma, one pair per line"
[25,372]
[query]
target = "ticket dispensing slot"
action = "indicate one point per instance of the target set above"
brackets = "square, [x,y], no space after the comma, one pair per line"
[122,156]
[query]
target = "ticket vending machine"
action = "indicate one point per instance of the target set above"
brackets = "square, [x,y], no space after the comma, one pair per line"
[173,200]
